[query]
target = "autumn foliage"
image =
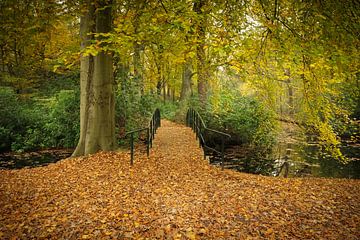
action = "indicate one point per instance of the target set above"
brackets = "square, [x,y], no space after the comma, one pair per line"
[174,194]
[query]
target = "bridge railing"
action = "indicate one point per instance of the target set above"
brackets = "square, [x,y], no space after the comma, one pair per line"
[154,124]
[195,121]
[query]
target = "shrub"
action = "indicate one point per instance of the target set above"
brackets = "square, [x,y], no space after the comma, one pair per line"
[5,138]
[245,118]
[132,108]
[32,136]
[63,125]
[31,125]
[168,110]
[11,117]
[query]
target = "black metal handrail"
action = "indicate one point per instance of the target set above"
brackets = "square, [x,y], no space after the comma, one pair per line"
[195,121]
[154,124]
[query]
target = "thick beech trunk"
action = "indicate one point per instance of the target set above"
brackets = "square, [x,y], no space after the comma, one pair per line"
[97,103]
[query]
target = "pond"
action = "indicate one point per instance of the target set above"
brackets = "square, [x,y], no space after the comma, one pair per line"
[13,160]
[309,160]
[292,160]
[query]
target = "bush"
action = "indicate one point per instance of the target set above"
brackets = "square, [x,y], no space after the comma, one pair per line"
[32,136]
[63,125]
[11,118]
[133,110]
[168,110]
[31,125]
[9,107]
[245,118]
[5,138]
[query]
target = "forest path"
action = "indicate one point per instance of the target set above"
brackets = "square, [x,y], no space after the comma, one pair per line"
[174,194]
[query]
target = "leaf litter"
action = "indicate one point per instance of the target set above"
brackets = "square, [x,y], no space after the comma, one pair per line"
[174,194]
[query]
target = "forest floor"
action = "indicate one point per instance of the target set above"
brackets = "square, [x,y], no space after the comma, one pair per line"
[174,194]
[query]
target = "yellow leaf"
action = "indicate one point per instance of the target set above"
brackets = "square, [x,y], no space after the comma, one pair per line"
[168,228]
[269,231]
[128,235]
[202,231]
[190,234]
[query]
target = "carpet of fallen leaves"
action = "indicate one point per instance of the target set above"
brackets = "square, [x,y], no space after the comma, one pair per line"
[174,194]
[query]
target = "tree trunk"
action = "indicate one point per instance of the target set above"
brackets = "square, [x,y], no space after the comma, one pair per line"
[158,87]
[290,94]
[200,50]
[186,80]
[168,93]
[138,47]
[122,76]
[164,91]
[138,71]
[97,103]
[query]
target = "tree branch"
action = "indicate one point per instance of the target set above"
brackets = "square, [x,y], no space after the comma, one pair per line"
[163,6]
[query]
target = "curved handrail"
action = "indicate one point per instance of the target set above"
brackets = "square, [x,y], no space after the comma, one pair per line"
[154,124]
[195,121]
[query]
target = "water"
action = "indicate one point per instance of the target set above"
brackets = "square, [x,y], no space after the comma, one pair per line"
[32,159]
[308,159]
[292,160]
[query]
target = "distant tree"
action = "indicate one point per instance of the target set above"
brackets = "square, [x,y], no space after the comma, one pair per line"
[200,32]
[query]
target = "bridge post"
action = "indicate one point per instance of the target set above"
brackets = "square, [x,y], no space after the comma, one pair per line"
[150,133]
[187,118]
[197,125]
[193,120]
[159,117]
[153,128]
[222,151]
[200,134]
[148,142]
[132,149]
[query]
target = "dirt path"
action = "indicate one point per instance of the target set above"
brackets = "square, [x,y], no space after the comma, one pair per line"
[174,194]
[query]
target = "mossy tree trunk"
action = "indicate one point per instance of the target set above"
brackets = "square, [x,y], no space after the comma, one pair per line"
[97,103]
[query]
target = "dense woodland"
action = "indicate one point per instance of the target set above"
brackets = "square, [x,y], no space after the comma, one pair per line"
[82,73]
[280,76]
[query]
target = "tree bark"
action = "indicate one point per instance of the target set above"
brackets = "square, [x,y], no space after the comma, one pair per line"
[290,94]
[186,80]
[138,71]
[164,91]
[168,93]
[122,72]
[138,47]
[200,50]
[97,102]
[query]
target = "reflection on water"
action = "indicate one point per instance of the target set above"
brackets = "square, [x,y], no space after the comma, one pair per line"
[308,160]
[291,160]
[33,159]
